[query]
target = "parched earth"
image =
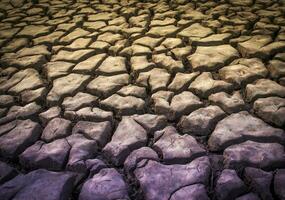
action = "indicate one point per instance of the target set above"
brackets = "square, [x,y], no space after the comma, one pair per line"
[154,100]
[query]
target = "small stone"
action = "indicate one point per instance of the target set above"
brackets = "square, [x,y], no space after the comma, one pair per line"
[81,150]
[106,85]
[48,186]
[94,25]
[212,58]
[66,26]
[272,48]
[128,136]
[107,184]
[15,44]
[140,20]
[229,185]
[169,30]
[10,32]
[21,112]
[201,121]
[124,105]
[34,50]
[72,56]
[176,148]
[89,114]
[99,131]
[195,32]
[112,65]
[229,103]
[181,52]
[264,88]
[51,156]
[49,114]
[5,128]
[55,129]
[161,102]
[168,63]
[90,64]
[151,173]
[251,47]
[35,11]
[94,166]
[78,32]
[49,39]
[239,39]
[136,50]
[6,100]
[22,80]
[240,127]
[34,31]
[260,181]
[23,134]
[204,85]
[103,16]
[184,103]
[136,156]
[7,72]
[57,69]
[243,71]
[171,43]
[133,90]
[253,154]
[166,21]
[100,46]
[109,37]
[271,110]
[151,122]
[66,85]
[156,78]
[276,68]
[79,43]
[23,62]
[78,101]
[182,80]
[29,96]
[213,40]
[141,64]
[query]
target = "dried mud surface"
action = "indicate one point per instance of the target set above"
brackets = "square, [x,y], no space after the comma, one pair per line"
[154,100]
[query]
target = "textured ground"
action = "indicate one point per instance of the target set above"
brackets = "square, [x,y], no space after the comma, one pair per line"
[155,100]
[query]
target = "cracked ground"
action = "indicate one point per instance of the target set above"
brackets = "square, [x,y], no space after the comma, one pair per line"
[142,100]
